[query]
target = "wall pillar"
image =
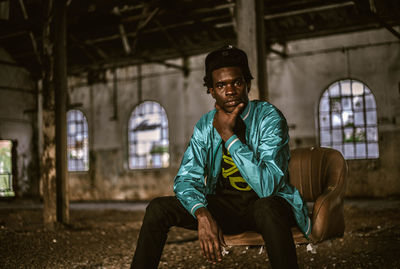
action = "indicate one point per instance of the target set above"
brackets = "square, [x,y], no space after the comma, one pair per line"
[54,159]
[251,38]
[60,83]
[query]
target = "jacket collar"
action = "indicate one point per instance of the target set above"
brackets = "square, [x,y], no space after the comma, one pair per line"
[246,112]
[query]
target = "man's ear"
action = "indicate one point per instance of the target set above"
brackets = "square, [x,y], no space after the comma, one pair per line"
[211,90]
[248,86]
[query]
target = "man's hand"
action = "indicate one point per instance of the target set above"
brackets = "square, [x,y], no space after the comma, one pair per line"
[210,235]
[225,122]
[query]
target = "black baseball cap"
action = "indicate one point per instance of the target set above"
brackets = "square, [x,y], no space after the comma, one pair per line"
[226,56]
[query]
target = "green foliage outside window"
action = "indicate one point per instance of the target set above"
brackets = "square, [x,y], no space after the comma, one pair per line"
[5,169]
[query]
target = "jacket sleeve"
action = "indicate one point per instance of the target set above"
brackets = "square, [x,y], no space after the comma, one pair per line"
[189,183]
[264,167]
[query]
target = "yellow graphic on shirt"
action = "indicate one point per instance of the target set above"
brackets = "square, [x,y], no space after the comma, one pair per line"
[234,181]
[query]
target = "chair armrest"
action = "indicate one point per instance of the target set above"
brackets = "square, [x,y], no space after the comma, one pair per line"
[327,216]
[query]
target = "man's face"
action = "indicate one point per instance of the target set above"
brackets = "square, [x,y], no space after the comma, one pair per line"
[229,88]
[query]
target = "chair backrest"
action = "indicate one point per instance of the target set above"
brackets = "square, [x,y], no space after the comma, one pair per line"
[314,170]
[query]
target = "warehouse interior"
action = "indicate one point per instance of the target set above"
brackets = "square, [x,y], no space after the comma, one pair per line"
[98,99]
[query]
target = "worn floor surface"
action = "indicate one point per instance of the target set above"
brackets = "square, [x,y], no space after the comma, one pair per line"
[104,236]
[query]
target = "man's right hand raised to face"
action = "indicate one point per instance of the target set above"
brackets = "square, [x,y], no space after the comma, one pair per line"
[210,235]
[225,122]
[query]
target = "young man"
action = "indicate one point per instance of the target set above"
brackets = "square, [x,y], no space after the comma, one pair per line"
[233,176]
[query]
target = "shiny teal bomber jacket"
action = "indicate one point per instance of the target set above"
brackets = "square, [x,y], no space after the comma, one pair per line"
[263,161]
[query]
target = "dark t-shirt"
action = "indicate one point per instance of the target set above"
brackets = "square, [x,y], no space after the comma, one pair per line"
[231,185]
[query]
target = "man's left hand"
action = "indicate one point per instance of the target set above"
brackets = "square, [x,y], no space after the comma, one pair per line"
[225,122]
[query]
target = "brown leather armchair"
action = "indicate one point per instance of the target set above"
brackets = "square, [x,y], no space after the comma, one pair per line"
[320,176]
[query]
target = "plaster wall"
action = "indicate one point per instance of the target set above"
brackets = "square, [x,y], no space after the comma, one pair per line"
[296,84]
[184,100]
[17,117]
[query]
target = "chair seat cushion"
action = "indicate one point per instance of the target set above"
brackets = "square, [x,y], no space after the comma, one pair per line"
[251,238]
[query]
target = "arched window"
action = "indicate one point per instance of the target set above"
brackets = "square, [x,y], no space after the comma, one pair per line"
[77,141]
[148,137]
[348,120]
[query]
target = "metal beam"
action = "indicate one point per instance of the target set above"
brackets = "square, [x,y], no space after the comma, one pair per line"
[308,10]
[143,23]
[387,26]
[30,33]
[16,89]
[170,39]
[13,35]
[156,29]
[82,47]
[124,39]
[374,14]
[280,53]
[10,64]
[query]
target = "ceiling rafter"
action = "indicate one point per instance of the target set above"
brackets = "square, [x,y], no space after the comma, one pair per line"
[308,10]
[170,39]
[30,33]
[143,23]
[82,47]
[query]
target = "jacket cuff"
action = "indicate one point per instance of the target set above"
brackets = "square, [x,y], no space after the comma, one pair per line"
[195,207]
[233,143]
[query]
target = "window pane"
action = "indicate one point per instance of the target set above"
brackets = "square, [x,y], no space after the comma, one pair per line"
[346,90]
[72,128]
[336,120]
[325,136]
[358,88]
[360,150]
[372,134]
[335,104]
[334,90]
[370,101]
[373,150]
[358,103]
[359,135]
[359,118]
[324,103]
[371,117]
[337,135]
[349,150]
[324,120]
[348,118]
[346,103]
[348,135]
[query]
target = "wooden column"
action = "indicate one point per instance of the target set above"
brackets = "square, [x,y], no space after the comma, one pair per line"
[251,38]
[53,159]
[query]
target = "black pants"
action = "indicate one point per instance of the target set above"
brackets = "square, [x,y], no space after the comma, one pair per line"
[270,216]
